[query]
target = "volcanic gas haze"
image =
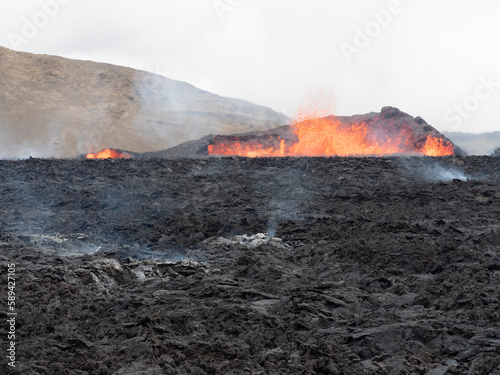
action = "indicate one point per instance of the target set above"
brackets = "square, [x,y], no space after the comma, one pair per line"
[57,107]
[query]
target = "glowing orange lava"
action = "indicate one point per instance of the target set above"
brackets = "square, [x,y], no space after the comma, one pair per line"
[437,147]
[109,153]
[318,135]
[247,150]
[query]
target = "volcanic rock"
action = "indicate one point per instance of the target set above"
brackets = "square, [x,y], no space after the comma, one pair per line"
[253,265]
[389,117]
[57,107]
[496,152]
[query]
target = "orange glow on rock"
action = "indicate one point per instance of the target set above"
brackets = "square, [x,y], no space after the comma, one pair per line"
[318,135]
[109,153]
[437,147]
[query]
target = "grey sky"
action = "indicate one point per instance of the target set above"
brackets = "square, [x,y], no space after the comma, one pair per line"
[438,59]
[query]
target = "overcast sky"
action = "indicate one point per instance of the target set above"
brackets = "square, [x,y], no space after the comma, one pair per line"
[438,59]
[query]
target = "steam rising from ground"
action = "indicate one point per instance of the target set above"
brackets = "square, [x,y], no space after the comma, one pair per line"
[431,170]
[69,245]
[286,196]
[11,148]
[282,191]
[440,173]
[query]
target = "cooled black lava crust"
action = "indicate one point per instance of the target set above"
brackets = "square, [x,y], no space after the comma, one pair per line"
[386,265]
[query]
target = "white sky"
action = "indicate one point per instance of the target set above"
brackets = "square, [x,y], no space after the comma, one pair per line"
[438,59]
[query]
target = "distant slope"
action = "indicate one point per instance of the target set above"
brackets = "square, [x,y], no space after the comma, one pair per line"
[53,106]
[476,144]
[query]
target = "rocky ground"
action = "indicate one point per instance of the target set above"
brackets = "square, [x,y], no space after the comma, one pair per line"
[369,265]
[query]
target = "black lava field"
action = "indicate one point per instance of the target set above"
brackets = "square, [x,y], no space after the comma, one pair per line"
[253,266]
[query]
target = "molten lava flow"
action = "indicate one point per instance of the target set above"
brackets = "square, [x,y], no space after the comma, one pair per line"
[437,147]
[318,135]
[328,137]
[247,150]
[109,153]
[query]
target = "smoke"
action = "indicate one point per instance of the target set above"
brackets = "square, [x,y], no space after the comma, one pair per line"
[272,225]
[282,190]
[171,112]
[181,112]
[430,170]
[44,144]
[29,222]
[285,194]
[69,245]
[440,173]
[168,254]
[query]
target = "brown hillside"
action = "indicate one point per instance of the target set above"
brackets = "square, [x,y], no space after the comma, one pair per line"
[53,106]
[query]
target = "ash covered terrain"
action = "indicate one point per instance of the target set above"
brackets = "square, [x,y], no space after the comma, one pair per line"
[254,266]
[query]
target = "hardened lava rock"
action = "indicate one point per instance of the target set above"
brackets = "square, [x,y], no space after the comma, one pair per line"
[253,266]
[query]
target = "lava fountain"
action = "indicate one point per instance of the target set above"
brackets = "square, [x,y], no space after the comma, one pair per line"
[109,153]
[391,132]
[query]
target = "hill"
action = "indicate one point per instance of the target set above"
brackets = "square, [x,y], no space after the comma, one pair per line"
[56,107]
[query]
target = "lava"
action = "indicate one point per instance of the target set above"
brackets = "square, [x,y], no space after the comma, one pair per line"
[109,153]
[248,150]
[437,147]
[327,136]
